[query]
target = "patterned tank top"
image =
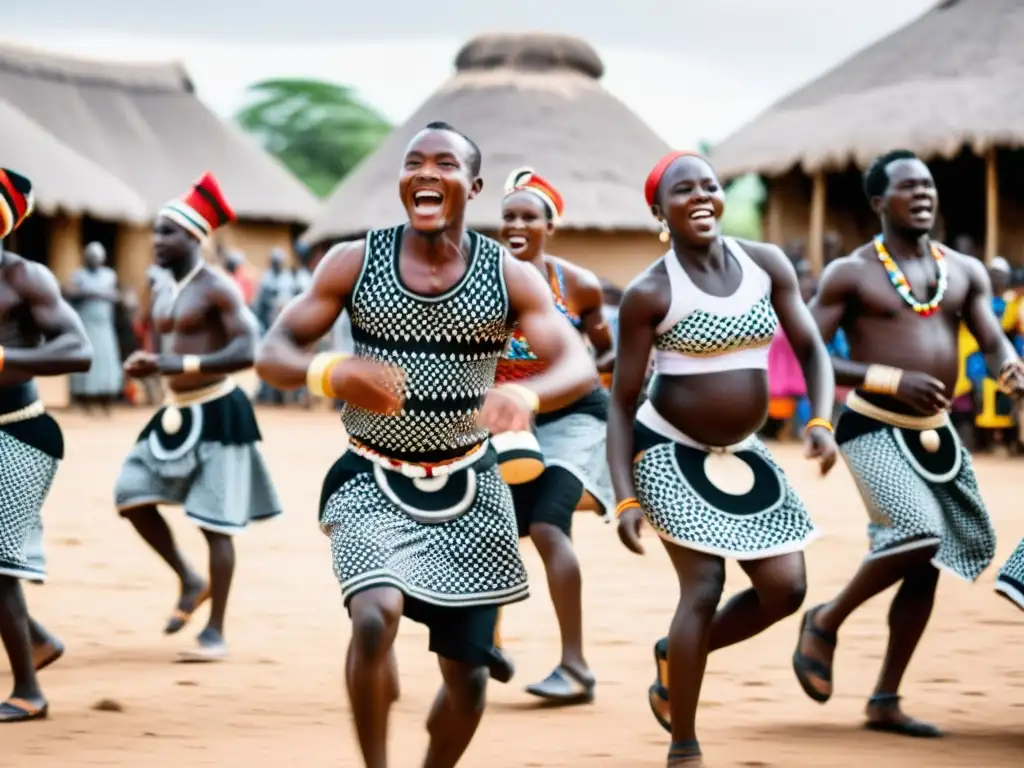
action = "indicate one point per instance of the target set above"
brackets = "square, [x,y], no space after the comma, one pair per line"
[702,333]
[447,344]
[518,361]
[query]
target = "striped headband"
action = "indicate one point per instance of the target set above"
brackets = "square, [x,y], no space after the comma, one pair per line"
[16,201]
[201,210]
[654,177]
[524,179]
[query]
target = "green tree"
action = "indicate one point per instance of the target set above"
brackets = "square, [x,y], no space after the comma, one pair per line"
[319,130]
[744,198]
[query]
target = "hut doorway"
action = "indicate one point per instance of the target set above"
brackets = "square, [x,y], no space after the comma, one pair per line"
[104,233]
[961,186]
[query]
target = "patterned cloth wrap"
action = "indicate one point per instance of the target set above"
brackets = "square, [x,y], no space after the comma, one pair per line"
[416,502]
[31,449]
[686,506]
[1010,581]
[915,497]
[209,464]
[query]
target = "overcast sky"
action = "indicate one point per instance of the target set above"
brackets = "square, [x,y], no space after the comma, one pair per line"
[693,70]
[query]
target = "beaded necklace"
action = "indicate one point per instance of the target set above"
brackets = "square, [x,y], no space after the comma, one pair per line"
[899,280]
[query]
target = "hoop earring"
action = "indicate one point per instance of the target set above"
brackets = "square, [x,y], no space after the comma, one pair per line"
[664,236]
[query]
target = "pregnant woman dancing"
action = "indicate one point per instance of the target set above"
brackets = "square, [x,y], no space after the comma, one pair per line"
[709,309]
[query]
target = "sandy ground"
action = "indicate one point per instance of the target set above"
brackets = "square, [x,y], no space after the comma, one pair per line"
[281,700]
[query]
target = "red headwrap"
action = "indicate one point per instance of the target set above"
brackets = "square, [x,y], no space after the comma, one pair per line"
[200,210]
[16,201]
[654,177]
[525,178]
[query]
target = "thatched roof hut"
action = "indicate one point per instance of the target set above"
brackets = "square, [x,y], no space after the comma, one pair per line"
[525,99]
[62,179]
[946,85]
[143,125]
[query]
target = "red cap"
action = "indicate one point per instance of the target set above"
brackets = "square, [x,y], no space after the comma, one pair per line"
[202,209]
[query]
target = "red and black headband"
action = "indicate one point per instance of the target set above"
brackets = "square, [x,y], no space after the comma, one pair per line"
[525,179]
[16,201]
[654,177]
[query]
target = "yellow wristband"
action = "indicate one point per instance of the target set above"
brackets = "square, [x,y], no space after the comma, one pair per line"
[630,503]
[191,364]
[817,421]
[528,396]
[1,357]
[318,375]
[882,379]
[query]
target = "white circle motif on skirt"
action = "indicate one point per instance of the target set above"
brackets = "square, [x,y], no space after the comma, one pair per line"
[729,473]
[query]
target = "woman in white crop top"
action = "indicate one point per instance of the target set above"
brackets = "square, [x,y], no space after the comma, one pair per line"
[689,459]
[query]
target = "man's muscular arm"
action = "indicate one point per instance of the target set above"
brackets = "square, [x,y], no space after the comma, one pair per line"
[240,329]
[66,348]
[282,360]
[571,372]
[836,289]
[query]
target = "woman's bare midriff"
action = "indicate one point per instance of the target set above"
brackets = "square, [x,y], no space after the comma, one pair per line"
[716,409]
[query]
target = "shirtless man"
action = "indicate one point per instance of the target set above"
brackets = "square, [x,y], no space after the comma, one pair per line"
[914,475]
[200,450]
[420,522]
[40,335]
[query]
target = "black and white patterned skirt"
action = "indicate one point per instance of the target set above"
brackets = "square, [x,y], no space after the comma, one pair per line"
[1010,581]
[736,503]
[449,541]
[917,497]
[205,458]
[31,448]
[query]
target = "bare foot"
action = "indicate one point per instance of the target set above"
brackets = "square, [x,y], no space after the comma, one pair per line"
[45,653]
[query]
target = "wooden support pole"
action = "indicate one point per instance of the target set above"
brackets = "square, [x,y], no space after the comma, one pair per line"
[991,205]
[773,212]
[815,244]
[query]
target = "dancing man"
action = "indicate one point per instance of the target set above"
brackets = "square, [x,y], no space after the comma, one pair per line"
[572,439]
[40,335]
[420,522]
[900,300]
[689,459]
[199,450]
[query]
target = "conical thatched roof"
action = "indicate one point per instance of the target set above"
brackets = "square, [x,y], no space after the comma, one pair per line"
[951,78]
[527,99]
[62,179]
[143,124]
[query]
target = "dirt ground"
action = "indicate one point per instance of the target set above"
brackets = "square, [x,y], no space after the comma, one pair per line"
[280,699]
